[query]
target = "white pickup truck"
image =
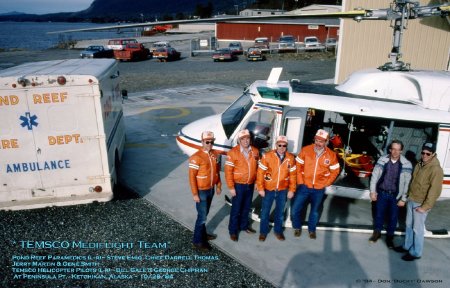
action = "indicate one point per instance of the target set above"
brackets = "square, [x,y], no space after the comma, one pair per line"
[312,43]
[62,133]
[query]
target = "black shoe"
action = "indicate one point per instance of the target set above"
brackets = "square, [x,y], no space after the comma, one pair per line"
[312,235]
[375,236]
[202,247]
[409,257]
[297,232]
[211,237]
[400,249]
[390,241]
[250,230]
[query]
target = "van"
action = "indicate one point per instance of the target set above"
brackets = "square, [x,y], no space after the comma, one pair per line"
[119,44]
[62,133]
[286,43]
[236,48]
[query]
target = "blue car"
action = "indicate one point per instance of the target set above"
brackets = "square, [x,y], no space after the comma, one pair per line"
[97,51]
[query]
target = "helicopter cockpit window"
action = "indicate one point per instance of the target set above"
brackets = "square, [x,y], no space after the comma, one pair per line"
[234,114]
[275,93]
[260,125]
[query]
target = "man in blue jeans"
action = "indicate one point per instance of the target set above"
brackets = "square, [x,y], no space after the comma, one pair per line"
[204,176]
[425,189]
[317,168]
[388,186]
[240,175]
[275,182]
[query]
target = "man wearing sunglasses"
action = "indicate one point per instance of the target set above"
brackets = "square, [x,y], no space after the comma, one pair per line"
[275,182]
[204,168]
[317,168]
[425,189]
[240,174]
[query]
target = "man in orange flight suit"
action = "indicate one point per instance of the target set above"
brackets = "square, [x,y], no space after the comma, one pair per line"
[317,168]
[240,174]
[275,181]
[204,175]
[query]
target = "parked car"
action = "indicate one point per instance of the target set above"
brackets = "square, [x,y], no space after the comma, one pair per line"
[262,43]
[159,44]
[255,54]
[224,54]
[312,43]
[286,43]
[165,54]
[236,48]
[331,43]
[120,44]
[97,51]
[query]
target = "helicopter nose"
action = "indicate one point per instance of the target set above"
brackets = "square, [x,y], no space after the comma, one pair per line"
[189,137]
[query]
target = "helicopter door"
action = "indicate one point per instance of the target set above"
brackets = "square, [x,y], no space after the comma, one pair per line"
[443,149]
[293,128]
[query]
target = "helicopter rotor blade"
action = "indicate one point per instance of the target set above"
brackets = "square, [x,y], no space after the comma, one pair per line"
[348,14]
[413,11]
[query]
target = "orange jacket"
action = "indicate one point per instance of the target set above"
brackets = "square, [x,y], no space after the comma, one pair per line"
[204,171]
[276,175]
[239,169]
[316,172]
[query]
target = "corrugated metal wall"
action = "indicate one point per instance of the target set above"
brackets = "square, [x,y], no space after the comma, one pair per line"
[426,42]
[250,31]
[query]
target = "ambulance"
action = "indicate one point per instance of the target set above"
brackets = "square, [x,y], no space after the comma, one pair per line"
[61,133]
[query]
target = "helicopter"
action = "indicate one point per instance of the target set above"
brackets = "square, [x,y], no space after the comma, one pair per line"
[363,114]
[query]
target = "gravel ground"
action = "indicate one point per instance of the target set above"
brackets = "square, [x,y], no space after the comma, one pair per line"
[131,219]
[126,221]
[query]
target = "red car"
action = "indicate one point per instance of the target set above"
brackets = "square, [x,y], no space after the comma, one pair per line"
[224,54]
[255,54]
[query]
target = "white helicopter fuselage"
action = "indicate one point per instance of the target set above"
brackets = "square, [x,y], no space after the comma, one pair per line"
[363,115]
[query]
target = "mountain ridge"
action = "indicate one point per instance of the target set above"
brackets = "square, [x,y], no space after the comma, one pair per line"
[101,11]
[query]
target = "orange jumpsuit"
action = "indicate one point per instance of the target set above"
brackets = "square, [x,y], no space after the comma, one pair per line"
[240,170]
[316,173]
[204,170]
[276,175]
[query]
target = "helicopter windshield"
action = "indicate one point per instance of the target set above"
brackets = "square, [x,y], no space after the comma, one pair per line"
[233,116]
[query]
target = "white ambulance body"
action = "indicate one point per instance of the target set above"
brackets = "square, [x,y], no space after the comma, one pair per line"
[61,133]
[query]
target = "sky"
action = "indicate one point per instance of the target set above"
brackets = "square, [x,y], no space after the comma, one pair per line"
[43,6]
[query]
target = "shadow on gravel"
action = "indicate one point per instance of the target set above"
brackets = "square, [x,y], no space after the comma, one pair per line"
[124,193]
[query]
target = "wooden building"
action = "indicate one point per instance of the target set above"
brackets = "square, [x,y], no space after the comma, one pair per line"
[366,44]
[299,28]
